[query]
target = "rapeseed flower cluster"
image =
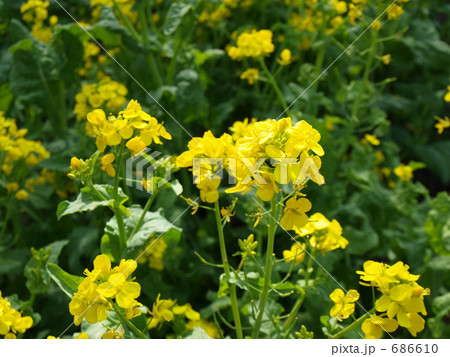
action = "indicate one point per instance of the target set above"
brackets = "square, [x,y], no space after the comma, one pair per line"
[96,292]
[11,321]
[107,94]
[138,128]
[153,253]
[324,235]
[15,150]
[16,147]
[213,14]
[252,44]
[126,6]
[251,75]
[92,56]
[167,310]
[402,300]
[262,154]
[404,172]
[35,12]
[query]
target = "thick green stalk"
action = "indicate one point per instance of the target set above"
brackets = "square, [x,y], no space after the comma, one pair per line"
[268,267]
[127,322]
[275,87]
[226,269]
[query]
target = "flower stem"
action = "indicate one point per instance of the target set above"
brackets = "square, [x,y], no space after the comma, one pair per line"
[268,267]
[275,86]
[226,269]
[127,322]
[352,326]
[366,74]
[144,211]
[290,322]
[117,211]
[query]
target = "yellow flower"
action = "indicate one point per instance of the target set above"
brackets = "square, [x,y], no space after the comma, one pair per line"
[374,326]
[125,292]
[208,188]
[22,195]
[372,139]
[324,235]
[153,253]
[296,253]
[386,59]
[447,95]
[135,145]
[93,299]
[285,57]
[344,304]
[187,311]
[252,44]
[114,334]
[376,25]
[12,187]
[75,163]
[82,336]
[161,312]
[251,75]
[294,213]
[11,320]
[209,327]
[88,304]
[394,12]
[404,172]
[106,162]
[442,124]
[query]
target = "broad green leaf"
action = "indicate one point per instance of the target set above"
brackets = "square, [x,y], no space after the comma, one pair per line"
[89,199]
[153,225]
[176,12]
[67,282]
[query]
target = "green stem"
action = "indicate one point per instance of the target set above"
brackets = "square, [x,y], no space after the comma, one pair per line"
[226,269]
[127,322]
[275,86]
[290,322]
[127,22]
[150,58]
[352,326]
[144,211]
[317,69]
[117,211]
[366,74]
[268,267]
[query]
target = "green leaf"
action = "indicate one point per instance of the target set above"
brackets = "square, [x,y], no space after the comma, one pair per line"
[38,279]
[153,225]
[176,12]
[89,199]
[437,224]
[435,157]
[24,45]
[67,282]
